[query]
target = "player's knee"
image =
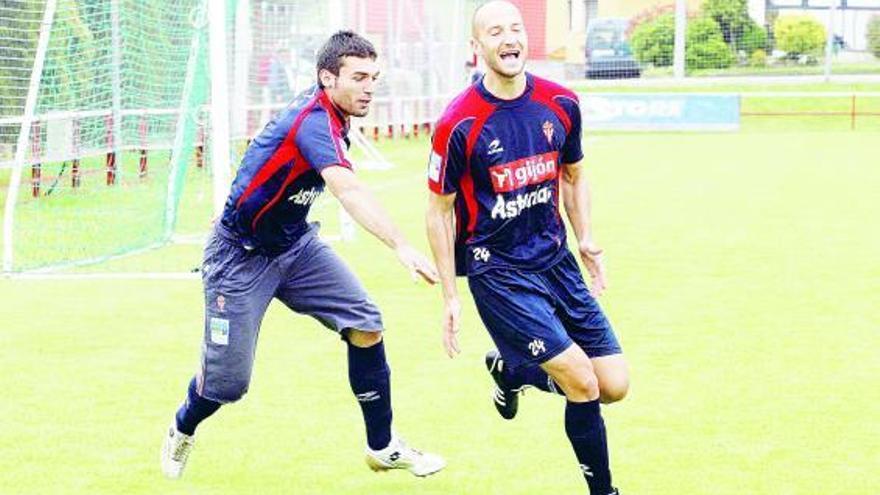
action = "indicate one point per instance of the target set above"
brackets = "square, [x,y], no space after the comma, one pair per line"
[613,382]
[233,390]
[580,386]
[589,385]
[359,338]
[614,390]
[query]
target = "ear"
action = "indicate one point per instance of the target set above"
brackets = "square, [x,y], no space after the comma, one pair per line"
[328,79]
[475,47]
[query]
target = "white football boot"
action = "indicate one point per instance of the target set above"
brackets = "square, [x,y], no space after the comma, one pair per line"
[399,455]
[175,451]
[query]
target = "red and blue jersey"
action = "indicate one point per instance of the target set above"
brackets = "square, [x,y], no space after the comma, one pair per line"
[280,174]
[502,159]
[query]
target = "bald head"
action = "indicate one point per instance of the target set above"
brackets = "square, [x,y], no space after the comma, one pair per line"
[499,38]
[492,10]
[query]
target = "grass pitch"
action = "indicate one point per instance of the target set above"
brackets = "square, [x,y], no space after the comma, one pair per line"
[744,288]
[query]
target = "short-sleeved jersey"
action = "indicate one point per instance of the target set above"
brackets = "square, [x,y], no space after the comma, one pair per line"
[280,174]
[502,158]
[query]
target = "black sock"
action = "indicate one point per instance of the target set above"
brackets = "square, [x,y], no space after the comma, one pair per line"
[370,379]
[194,410]
[534,376]
[586,431]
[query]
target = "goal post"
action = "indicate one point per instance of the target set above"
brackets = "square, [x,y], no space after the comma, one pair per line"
[24,133]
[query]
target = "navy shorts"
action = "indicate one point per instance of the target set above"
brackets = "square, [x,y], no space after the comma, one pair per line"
[239,284]
[534,316]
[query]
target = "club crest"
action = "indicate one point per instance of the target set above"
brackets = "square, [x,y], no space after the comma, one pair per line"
[548,131]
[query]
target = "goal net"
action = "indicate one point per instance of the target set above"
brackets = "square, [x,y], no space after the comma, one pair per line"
[107,123]
[97,121]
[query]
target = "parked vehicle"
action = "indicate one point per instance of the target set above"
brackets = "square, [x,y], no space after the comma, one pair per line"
[608,52]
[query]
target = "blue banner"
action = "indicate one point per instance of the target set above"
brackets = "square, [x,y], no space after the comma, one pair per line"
[660,112]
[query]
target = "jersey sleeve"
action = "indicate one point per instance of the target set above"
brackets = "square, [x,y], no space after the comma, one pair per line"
[571,150]
[320,142]
[448,159]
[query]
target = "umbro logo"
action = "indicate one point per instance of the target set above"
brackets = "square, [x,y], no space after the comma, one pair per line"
[586,470]
[495,147]
[368,396]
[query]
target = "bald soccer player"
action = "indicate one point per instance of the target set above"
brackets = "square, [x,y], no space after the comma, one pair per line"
[503,153]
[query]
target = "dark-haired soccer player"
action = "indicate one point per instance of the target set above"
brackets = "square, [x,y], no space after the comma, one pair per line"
[503,153]
[263,248]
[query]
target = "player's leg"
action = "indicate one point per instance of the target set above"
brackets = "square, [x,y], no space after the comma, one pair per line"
[369,376]
[520,318]
[612,371]
[573,371]
[238,286]
[520,314]
[370,379]
[591,371]
[319,284]
[522,378]
[588,326]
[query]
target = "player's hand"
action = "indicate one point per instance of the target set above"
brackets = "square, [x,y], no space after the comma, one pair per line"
[591,255]
[417,264]
[451,326]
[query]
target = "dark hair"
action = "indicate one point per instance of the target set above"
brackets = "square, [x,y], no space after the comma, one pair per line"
[342,44]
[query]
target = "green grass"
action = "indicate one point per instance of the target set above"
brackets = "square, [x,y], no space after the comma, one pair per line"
[744,280]
[813,87]
[837,69]
[96,220]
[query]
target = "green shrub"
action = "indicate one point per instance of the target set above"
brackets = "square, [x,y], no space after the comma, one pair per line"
[874,35]
[799,35]
[758,58]
[732,17]
[653,41]
[752,38]
[706,48]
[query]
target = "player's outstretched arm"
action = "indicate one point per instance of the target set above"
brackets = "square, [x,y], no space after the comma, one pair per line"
[441,236]
[362,205]
[576,198]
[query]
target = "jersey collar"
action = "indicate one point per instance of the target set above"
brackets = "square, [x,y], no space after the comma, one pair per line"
[519,100]
[334,112]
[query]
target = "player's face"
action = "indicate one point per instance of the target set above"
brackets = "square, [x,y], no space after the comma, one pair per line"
[501,40]
[352,90]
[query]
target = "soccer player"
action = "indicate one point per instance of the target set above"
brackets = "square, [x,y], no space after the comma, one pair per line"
[263,248]
[503,153]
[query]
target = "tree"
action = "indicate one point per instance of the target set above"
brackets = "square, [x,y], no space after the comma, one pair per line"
[874,35]
[706,48]
[732,17]
[71,60]
[19,31]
